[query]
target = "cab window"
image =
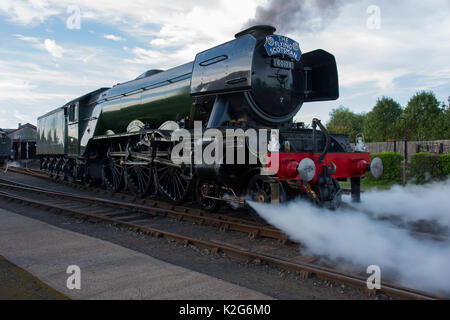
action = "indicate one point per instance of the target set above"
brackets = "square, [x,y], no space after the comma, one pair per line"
[73,112]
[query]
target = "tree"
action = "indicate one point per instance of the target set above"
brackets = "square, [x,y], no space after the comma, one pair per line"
[344,121]
[379,123]
[426,119]
[441,129]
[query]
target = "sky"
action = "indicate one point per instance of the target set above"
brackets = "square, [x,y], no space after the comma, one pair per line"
[52,51]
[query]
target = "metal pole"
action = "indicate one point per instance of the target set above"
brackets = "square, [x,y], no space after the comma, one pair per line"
[19,148]
[406,143]
[406,151]
[314,128]
[395,136]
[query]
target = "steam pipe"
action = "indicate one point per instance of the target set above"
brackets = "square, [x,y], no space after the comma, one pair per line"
[314,128]
[327,138]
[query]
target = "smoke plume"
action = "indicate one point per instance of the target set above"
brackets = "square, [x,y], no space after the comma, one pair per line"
[354,237]
[297,15]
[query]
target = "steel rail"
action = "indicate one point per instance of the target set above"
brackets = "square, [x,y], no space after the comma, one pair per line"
[269,231]
[236,224]
[252,230]
[230,250]
[42,175]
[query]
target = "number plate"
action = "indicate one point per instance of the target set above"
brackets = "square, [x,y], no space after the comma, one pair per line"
[283,64]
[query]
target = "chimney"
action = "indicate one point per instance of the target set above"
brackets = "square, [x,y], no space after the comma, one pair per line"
[19,125]
[259,32]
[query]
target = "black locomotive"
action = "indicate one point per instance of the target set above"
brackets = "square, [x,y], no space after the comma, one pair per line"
[123,136]
[5,147]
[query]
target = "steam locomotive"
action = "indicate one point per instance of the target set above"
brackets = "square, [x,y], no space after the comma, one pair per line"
[5,147]
[123,137]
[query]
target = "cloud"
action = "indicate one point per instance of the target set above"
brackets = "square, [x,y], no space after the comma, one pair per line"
[390,61]
[177,43]
[48,44]
[23,91]
[28,12]
[149,57]
[52,48]
[33,40]
[113,37]
[31,84]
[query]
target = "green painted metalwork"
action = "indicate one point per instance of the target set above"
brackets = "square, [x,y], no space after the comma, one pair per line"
[51,135]
[152,100]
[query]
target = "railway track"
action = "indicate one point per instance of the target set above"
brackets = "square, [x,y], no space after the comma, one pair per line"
[136,217]
[143,211]
[238,217]
[242,223]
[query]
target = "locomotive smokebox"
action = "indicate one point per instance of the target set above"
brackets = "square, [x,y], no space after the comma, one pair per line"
[273,75]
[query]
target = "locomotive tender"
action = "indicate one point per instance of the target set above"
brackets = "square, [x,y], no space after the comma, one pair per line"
[122,136]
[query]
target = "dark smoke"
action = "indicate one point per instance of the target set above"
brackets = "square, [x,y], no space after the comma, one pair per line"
[297,15]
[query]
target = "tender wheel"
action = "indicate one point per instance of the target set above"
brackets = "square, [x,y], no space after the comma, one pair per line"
[48,170]
[57,167]
[43,164]
[259,190]
[171,184]
[113,171]
[208,188]
[72,172]
[50,167]
[63,172]
[86,178]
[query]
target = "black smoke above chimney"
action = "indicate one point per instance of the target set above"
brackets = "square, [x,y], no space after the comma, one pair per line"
[298,15]
[259,31]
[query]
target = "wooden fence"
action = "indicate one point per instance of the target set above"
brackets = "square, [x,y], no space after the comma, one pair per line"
[438,147]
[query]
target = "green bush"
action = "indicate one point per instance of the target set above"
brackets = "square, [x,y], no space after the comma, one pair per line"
[392,170]
[427,167]
[445,163]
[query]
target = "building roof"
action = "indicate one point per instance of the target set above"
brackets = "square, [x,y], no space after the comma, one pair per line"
[25,132]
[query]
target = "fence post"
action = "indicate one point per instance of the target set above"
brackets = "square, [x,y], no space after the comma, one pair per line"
[395,136]
[406,151]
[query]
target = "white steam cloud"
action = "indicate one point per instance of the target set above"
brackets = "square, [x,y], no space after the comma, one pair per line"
[411,203]
[361,240]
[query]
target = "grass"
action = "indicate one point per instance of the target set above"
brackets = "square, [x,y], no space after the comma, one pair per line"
[368,184]
[18,284]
